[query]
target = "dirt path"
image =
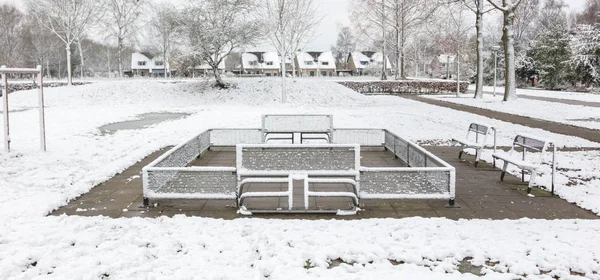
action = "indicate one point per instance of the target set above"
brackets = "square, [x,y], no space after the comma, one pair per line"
[565,129]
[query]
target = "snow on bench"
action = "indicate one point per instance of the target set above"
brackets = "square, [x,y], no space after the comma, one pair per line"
[309,127]
[525,143]
[279,163]
[478,140]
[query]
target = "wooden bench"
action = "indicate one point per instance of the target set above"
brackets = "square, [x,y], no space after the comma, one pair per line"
[526,143]
[309,127]
[277,163]
[476,139]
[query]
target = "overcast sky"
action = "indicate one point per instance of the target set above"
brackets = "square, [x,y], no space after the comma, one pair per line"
[335,13]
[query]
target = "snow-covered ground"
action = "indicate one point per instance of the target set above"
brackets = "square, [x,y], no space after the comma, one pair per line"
[579,96]
[583,116]
[79,156]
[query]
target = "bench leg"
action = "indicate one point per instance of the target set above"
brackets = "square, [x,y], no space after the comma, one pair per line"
[531,180]
[146,202]
[451,202]
[460,154]
[478,153]
[503,171]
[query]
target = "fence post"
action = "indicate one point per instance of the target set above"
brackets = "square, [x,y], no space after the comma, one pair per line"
[40,81]
[5,109]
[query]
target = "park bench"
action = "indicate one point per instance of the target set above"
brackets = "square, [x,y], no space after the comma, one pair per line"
[476,139]
[518,155]
[279,163]
[308,127]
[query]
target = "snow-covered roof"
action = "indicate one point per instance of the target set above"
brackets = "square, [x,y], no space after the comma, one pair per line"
[315,60]
[261,60]
[368,59]
[443,58]
[145,61]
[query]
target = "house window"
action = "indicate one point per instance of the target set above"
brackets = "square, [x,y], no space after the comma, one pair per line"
[325,62]
[141,63]
[323,73]
[308,62]
[159,63]
[312,73]
[364,62]
[254,63]
[269,62]
[268,74]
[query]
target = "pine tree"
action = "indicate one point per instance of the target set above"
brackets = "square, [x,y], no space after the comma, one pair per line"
[550,56]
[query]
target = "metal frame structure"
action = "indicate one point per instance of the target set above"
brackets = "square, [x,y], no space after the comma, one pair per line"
[320,125]
[467,142]
[528,142]
[425,177]
[35,71]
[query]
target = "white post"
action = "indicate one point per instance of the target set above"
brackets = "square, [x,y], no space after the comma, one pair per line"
[5,108]
[41,107]
[283,95]
[495,71]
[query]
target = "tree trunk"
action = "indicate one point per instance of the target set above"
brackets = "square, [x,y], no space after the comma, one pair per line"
[69,73]
[479,28]
[383,56]
[510,91]
[108,63]
[82,65]
[120,52]
[398,73]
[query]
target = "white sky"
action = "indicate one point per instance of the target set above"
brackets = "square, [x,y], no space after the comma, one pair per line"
[335,13]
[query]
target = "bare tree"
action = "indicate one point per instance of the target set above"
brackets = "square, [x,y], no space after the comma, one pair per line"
[120,19]
[343,46]
[371,21]
[215,28]
[405,15]
[508,7]
[479,8]
[11,28]
[67,19]
[165,28]
[289,25]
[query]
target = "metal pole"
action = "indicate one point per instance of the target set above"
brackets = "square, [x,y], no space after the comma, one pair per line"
[495,71]
[41,107]
[5,108]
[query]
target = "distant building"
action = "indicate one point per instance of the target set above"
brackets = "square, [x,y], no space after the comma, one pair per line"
[265,63]
[442,65]
[367,63]
[145,64]
[310,64]
[205,69]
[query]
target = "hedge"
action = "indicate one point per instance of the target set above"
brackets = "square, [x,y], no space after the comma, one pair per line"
[406,86]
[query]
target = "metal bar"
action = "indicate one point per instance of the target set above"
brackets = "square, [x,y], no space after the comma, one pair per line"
[5,106]
[5,70]
[553,165]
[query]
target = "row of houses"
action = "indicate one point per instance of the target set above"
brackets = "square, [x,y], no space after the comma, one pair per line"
[305,64]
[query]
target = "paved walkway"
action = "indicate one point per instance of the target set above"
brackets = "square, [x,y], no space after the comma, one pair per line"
[560,128]
[479,194]
[549,99]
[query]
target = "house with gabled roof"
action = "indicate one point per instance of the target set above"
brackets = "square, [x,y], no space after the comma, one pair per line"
[146,64]
[367,62]
[205,69]
[265,63]
[314,63]
[443,65]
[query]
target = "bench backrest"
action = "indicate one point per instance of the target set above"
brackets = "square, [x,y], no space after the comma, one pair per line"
[297,123]
[531,143]
[480,132]
[297,158]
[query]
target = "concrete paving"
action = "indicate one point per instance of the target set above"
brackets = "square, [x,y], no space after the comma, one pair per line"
[479,192]
[560,128]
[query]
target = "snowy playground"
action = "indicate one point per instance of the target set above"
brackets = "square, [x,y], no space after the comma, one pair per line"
[98,131]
